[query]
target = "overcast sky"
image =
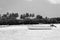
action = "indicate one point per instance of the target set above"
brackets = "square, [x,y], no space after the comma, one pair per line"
[49,8]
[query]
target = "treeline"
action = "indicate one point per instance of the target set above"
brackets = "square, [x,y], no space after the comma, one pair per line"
[28,18]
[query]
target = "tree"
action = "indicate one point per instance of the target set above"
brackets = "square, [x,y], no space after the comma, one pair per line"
[52,20]
[32,15]
[7,13]
[39,17]
[16,15]
[0,16]
[4,17]
[27,14]
[22,16]
[13,15]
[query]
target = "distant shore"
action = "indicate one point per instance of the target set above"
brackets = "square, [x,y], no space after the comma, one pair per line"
[2,26]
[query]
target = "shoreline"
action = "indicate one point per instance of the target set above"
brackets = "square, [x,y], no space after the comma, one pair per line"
[7,26]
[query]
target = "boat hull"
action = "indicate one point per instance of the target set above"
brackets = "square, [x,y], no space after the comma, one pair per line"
[39,28]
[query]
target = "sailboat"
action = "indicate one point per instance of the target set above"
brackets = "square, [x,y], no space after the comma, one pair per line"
[41,27]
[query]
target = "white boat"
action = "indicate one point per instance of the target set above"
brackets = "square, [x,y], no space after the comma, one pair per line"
[40,27]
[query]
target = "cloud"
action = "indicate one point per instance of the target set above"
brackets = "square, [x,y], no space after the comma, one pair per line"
[54,1]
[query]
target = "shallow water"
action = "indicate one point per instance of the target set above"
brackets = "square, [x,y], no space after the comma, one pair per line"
[23,33]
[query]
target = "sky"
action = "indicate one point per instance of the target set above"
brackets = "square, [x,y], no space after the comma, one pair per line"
[49,8]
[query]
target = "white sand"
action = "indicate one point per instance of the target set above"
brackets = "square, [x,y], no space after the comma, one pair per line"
[22,33]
